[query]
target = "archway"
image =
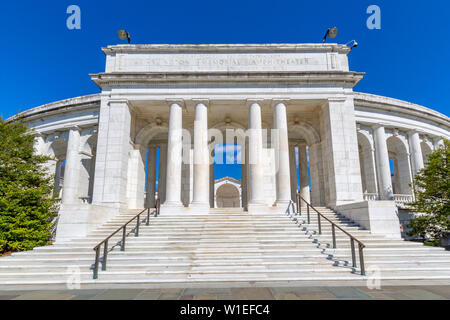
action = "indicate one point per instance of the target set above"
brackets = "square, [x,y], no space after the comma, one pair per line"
[367,163]
[400,165]
[306,163]
[228,196]
[57,150]
[427,149]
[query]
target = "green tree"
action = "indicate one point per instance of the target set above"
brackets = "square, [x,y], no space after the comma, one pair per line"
[432,190]
[27,206]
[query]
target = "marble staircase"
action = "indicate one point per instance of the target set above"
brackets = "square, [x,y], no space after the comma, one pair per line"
[227,248]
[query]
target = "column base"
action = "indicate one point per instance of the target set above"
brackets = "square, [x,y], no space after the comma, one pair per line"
[199,207]
[172,208]
[259,209]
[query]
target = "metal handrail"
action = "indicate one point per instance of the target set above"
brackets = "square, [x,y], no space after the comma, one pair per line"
[124,235]
[334,226]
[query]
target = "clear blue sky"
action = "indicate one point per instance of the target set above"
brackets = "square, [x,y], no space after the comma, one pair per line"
[43,61]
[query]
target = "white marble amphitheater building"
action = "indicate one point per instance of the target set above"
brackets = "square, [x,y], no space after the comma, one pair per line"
[291,108]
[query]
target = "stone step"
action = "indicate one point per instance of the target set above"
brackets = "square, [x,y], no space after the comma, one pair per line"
[299,248]
[248,253]
[239,275]
[232,265]
[226,246]
[170,260]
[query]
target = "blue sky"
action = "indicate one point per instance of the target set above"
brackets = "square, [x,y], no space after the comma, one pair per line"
[43,61]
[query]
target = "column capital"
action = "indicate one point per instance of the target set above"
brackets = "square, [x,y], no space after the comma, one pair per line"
[337,99]
[74,128]
[179,102]
[276,101]
[257,101]
[413,131]
[378,125]
[118,101]
[198,101]
[38,134]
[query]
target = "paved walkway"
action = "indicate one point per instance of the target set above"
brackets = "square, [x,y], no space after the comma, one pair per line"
[300,293]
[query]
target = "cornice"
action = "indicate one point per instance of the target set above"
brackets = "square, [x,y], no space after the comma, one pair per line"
[335,78]
[396,106]
[227,48]
[83,102]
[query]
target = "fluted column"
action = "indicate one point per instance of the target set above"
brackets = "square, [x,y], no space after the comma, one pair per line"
[383,168]
[293,170]
[72,170]
[283,179]
[304,175]
[255,165]
[416,151]
[201,158]
[174,156]
[151,177]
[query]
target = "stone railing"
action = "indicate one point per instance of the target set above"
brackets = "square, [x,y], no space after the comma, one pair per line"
[403,199]
[370,196]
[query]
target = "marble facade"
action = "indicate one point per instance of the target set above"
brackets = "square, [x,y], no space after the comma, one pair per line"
[290,107]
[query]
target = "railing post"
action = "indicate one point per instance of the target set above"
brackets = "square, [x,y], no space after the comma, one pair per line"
[352,243]
[320,225]
[124,236]
[307,212]
[361,259]
[157,208]
[105,255]
[298,203]
[333,232]
[137,226]
[148,216]
[97,258]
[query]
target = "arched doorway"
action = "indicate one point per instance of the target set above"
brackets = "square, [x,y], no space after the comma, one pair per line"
[228,196]
[400,165]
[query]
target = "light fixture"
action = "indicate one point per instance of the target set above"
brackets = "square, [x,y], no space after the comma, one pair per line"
[354,44]
[124,35]
[331,33]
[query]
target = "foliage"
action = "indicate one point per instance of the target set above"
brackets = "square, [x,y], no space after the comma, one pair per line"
[432,188]
[27,206]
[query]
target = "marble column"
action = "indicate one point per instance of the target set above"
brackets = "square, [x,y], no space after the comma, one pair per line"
[201,158]
[382,161]
[304,175]
[255,165]
[416,151]
[174,156]
[136,177]
[243,178]
[211,183]
[293,170]
[162,172]
[438,142]
[151,177]
[72,170]
[283,179]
